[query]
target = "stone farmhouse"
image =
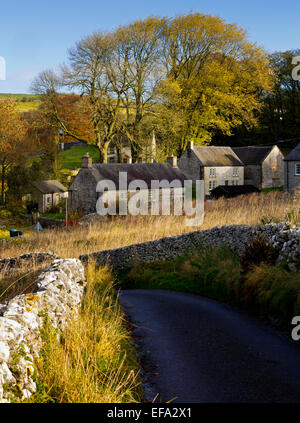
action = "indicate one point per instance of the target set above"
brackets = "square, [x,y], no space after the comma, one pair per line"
[264,166]
[46,194]
[292,170]
[83,193]
[215,165]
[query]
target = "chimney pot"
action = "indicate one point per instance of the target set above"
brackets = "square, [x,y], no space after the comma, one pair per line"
[172,161]
[87,161]
[190,145]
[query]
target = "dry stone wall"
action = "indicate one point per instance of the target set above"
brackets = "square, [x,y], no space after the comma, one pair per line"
[13,264]
[58,293]
[282,237]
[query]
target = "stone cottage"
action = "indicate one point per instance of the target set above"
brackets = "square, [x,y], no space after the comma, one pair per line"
[47,194]
[215,165]
[83,193]
[263,165]
[292,170]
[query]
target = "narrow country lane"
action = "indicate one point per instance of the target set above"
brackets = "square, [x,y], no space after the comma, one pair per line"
[198,350]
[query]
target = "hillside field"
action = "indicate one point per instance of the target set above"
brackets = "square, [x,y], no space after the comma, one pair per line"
[25,102]
[71,159]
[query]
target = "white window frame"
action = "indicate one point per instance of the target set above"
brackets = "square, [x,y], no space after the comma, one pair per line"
[212,172]
[235,171]
[297,169]
[212,185]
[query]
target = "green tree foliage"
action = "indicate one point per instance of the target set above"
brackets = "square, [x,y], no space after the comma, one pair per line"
[282,106]
[215,78]
[188,78]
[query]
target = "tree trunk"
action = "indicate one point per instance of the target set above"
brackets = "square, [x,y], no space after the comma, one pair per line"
[103,148]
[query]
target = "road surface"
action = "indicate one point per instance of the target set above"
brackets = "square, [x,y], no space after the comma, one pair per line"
[198,350]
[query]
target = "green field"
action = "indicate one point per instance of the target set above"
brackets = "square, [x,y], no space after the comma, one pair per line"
[71,159]
[25,102]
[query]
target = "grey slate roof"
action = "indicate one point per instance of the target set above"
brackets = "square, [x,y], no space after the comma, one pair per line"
[143,171]
[253,155]
[294,155]
[217,156]
[49,187]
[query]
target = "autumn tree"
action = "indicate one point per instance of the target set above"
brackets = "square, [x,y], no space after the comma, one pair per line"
[214,79]
[14,143]
[87,73]
[187,78]
[137,62]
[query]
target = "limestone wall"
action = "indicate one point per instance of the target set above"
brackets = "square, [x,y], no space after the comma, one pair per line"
[284,239]
[58,292]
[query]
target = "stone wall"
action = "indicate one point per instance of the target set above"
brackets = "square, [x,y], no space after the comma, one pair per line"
[273,169]
[285,240]
[58,292]
[253,175]
[191,166]
[14,264]
[82,192]
[291,180]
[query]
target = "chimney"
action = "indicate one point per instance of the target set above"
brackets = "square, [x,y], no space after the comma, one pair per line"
[172,161]
[86,162]
[190,145]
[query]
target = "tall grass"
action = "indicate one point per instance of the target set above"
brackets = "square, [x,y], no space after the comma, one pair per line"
[21,279]
[267,290]
[94,360]
[120,231]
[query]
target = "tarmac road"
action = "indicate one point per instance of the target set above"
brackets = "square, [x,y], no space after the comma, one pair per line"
[198,350]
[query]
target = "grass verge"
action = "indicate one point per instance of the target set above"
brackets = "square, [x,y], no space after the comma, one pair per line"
[94,360]
[271,292]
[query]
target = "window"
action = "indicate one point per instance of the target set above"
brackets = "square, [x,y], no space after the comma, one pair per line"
[234,182]
[226,182]
[212,185]
[235,171]
[297,169]
[111,150]
[212,172]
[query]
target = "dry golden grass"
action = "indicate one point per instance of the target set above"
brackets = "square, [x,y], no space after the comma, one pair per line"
[94,361]
[120,231]
[20,279]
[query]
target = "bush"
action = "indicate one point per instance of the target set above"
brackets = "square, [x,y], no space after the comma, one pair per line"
[294,217]
[273,291]
[257,252]
[4,213]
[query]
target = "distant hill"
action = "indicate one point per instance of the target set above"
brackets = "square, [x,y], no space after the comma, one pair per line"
[25,102]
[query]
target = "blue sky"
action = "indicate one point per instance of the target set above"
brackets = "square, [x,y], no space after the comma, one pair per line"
[36,34]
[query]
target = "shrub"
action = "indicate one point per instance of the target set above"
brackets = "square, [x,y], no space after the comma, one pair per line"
[257,252]
[294,217]
[4,213]
[273,291]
